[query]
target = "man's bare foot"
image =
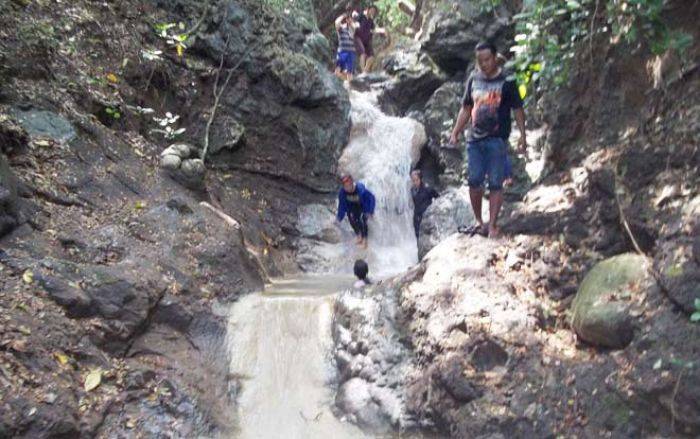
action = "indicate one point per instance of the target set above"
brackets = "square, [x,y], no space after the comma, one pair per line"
[358,240]
[494,232]
[363,244]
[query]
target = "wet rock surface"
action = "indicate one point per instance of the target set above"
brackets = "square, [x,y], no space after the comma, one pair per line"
[118,262]
[448,212]
[469,332]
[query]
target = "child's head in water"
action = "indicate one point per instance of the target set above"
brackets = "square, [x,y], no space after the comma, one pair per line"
[361,269]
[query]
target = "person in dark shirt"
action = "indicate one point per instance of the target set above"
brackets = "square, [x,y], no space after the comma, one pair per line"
[365,29]
[422,195]
[361,269]
[488,101]
[355,200]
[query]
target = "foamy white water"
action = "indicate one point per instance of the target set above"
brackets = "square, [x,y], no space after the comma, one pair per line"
[380,154]
[280,340]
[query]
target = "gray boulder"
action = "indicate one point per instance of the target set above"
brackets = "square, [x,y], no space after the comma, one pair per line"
[451,210]
[414,79]
[45,124]
[600,310]
[450,37]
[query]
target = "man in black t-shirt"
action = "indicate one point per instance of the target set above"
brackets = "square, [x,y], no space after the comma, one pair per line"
[488,100]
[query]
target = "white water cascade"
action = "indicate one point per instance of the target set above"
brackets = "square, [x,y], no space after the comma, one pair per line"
[280,339]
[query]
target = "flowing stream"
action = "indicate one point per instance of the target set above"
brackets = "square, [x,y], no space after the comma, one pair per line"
[280,339]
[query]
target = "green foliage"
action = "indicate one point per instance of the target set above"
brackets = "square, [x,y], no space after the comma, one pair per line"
[551,33]
[113,113]
[695,317]
[391,16]
[174,39]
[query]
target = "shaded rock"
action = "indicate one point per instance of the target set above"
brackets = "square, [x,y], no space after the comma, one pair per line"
[45,123]
[488,355]
[367,81]
[317,221]
[10,215]
[316,46]
[449,211]
[451,377]
[414,79]
[449,38]
[600,310]
[227,133]
[138,379]
[441,110]
[12,136]
[76,302]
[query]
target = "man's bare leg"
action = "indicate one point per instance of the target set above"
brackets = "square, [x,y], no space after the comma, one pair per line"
[358,239]
[495,203]
[475,196]
[369,62]
[363,63]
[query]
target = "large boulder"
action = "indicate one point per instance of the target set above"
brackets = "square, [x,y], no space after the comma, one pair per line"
[414,79]
[450,37]
[601,308]
[451,210]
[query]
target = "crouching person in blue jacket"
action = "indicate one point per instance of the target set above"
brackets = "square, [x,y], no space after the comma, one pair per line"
[355,200]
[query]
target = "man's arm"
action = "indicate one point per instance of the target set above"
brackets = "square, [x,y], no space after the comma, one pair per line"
[339,21]
[462,119]
[520,121]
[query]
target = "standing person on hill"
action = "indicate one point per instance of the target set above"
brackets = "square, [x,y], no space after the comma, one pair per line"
[488,100]
[422,195]
[365,29]
[355,200]
[345,59]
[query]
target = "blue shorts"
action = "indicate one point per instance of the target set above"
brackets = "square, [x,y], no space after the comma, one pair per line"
[486,157]
[345,61]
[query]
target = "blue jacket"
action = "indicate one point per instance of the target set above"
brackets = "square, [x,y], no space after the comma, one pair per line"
[366,200]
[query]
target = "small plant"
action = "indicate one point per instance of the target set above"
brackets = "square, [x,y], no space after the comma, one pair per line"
[176,40]
[166,126]
[695,317]
[113,113]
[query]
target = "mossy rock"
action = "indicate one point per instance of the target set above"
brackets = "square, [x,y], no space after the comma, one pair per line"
[600,311]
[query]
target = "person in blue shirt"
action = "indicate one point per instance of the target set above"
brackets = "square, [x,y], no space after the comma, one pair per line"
[355,200]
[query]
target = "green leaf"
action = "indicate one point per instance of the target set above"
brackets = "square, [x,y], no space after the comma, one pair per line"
[695,317]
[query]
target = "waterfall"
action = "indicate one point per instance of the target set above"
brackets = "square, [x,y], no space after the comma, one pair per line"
[279,340]
[380,154]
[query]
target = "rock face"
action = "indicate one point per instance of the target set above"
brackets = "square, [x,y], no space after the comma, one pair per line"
[284,94]
[117,268]
[465,334]
[449,211]
[414,78]
[10,216]
[600,311]
[450,37]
